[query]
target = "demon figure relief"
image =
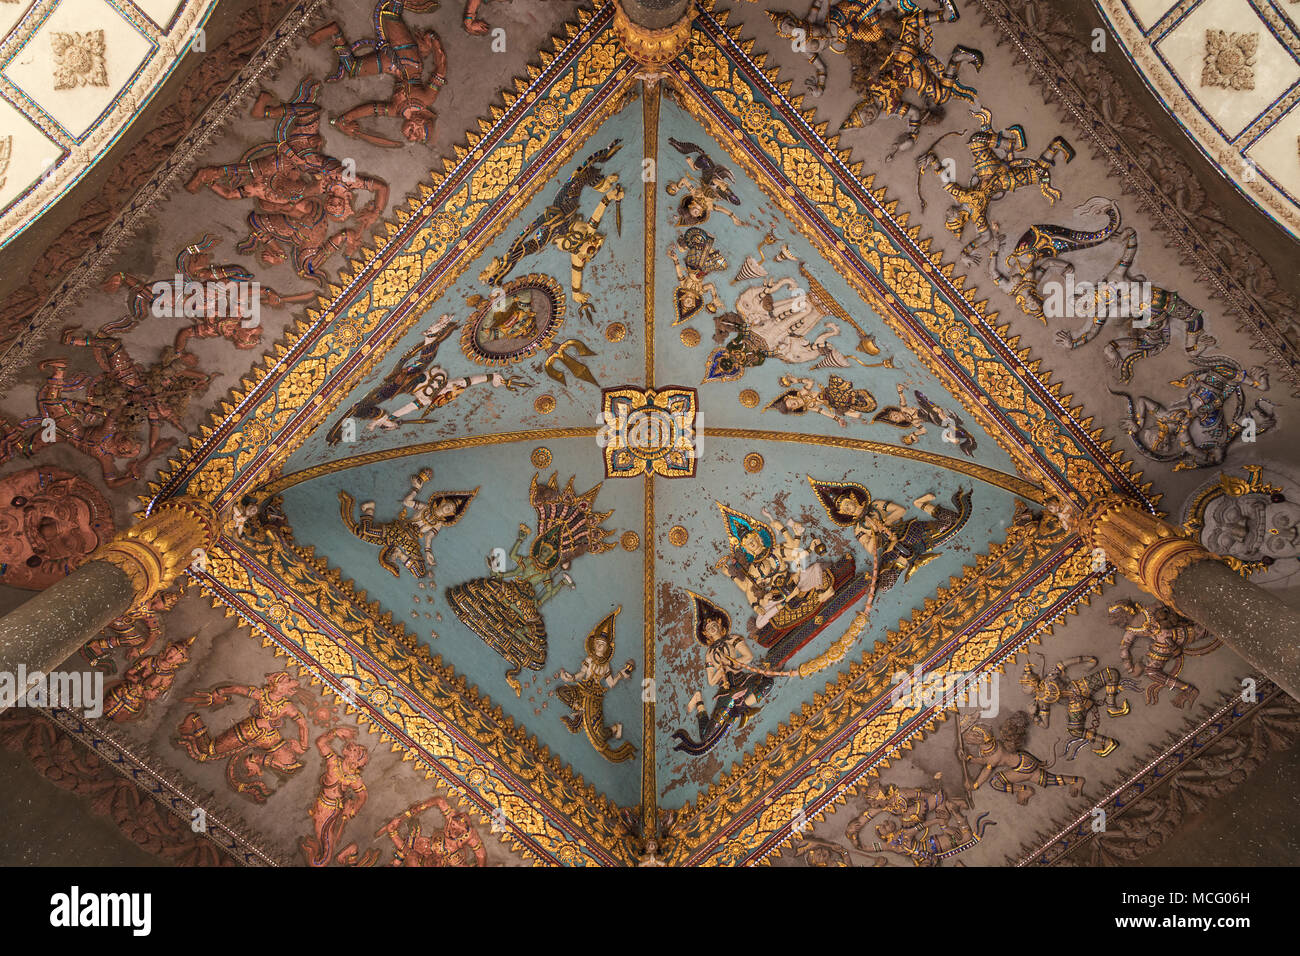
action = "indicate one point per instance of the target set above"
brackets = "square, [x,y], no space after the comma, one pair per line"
[505,608]
[50,519]
[924,825]
[1003,762]
[584,693]
[1172,638]
[255,743]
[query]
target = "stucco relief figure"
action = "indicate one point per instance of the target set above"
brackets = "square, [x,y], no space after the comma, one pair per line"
[399,51]
[562,225]
[255,743]
[137,630]
[1196,431]
[416,374]
[896,74]
[410,535]
[1004,763]
[455,843]
[1253,523]
[914,418]
[694,259]
[737,693]
[773,565]
[584,693]
[1172,637]
[838,400]
[146,681]
[1079,694]
[340,797]
[927,827]
[996,171]
[505,608]
[777,320]
[105,423]
[707,192]
[50,519]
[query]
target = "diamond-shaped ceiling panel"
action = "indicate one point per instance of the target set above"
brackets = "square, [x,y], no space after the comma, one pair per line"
[601,485]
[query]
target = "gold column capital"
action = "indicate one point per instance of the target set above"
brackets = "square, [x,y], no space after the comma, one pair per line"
[652,48]
[155,550]
[1146,549]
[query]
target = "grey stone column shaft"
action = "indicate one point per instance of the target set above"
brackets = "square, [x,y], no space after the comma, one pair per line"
[1249,620]
[44,632]
[655,14]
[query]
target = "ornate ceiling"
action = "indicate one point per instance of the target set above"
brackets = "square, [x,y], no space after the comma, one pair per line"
[74,74]
[608,453]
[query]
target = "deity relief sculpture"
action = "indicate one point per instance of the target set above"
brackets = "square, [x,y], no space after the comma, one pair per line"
[255,743]
[341,796]
[455,843]
[584,693]
[410,535]
[738,693]
[838,400]
[925,412]
[137,630]
[708,192]
[1253,523]
[146,681]
[928,825]
[505,608]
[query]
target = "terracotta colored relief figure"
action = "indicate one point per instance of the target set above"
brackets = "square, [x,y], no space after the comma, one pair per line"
[504,609]
[255,743]
[137,630]
[341,796]
[50,519]
[455,843]
[299,191]
[398,51]
[146,681]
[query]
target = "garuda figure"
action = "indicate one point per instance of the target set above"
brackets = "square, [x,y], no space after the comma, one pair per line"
[505,609]
[561,224]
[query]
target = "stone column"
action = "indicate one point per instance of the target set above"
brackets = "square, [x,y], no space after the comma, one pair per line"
[653,32]
[121,576]
[1173,567]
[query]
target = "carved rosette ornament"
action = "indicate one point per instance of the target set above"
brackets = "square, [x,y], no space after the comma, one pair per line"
[652,48]
[160,546]
[1147,550]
